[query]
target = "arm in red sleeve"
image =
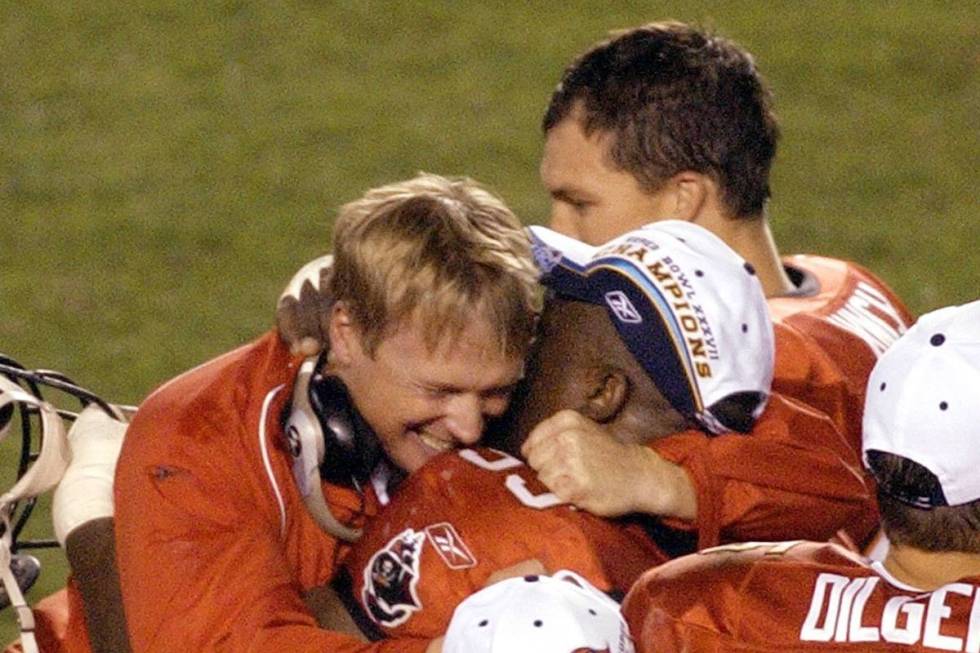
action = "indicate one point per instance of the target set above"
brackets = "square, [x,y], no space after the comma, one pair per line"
[792,477]
[208,561]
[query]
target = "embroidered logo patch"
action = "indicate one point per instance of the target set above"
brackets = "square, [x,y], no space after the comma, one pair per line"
[390,580]
[450,546]
[623,307]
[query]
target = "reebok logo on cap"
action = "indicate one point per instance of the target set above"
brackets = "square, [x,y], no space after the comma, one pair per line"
[622,308]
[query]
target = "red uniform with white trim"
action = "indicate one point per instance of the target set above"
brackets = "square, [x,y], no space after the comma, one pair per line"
[470,513]
[795,597]
[462,517]
[213,540]
[830,335]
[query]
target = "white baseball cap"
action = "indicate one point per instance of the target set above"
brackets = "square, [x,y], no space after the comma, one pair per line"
[562,613]
[923,404]
[689,309]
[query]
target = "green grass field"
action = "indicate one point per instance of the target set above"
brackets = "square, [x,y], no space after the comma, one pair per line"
[165,167]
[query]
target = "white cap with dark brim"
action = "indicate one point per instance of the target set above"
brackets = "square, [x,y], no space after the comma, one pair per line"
[562,613]
[923,404]
[689,309]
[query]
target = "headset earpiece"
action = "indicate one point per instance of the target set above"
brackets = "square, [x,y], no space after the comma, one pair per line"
[307,445]
[351,450]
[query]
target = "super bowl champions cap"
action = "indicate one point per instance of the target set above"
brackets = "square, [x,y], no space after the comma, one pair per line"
[562,613]
[688,308]
[923,404]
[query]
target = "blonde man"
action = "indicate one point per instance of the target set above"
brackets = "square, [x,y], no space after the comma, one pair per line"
[240,480]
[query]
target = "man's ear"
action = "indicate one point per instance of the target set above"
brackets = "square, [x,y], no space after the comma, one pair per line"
[690,192]
[610,389]
[345,337]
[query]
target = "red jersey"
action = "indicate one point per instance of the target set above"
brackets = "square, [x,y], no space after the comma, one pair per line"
[214,543]
[829,336]
[460,518]
[795,596]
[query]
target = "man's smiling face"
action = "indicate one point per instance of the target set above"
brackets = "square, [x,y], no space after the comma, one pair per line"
[421,401]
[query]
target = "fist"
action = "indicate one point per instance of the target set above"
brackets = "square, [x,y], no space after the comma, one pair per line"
[585,465]
[581,463]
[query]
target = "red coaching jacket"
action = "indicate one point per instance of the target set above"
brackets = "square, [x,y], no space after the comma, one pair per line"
[213,541]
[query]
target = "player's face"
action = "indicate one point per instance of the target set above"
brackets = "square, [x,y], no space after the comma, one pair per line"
[576,351]
[422,402]
[557,378]
[591,200]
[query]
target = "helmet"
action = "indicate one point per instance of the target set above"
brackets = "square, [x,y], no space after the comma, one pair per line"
[34,405]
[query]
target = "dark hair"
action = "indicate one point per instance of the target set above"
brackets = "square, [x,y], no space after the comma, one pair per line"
[675,98]
[939,528]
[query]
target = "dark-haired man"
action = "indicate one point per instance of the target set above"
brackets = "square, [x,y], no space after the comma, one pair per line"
[921,444]
[666,121]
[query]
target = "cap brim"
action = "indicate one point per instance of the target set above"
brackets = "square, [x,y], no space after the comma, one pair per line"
[638,309]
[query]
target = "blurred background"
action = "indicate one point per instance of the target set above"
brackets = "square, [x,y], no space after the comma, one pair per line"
[166,166]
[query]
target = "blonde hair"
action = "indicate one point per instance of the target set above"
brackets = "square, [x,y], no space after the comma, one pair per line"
[444,251]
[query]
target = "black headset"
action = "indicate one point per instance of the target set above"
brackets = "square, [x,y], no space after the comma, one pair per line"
[329,441]
[351,449]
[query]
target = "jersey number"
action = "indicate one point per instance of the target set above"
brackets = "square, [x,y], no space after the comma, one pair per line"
[513,482]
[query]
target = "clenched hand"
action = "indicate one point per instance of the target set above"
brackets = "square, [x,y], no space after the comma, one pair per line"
[580,462]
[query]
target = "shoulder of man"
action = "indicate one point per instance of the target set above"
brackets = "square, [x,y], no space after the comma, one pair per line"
[735,593]
[843,298]
[209,436]
[829,336]
[230,385]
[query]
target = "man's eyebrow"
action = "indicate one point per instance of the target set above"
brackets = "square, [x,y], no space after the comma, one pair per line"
[502,387]
[451,388]
[564,194]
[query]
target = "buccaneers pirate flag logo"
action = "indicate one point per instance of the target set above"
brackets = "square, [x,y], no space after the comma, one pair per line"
[390,579]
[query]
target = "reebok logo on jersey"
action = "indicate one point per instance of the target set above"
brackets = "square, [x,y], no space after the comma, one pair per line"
[450,546]
[623,307]
[391,578]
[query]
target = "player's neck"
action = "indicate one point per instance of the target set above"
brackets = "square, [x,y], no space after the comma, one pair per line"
[929,570]
[752,239]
